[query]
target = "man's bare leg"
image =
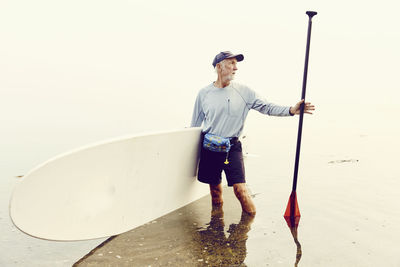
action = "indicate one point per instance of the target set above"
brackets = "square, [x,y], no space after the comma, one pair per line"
[216,194]
[243,196]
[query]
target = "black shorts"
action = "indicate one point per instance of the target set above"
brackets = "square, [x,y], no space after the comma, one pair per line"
[212,164]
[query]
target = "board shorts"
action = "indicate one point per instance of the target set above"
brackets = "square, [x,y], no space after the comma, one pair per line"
[212,164]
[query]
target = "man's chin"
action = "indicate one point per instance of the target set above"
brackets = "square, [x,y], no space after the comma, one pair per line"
[229,78]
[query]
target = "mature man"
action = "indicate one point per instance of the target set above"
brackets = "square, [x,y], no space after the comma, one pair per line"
[222,108]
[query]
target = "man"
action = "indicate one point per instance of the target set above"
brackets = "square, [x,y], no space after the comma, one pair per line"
[222,108]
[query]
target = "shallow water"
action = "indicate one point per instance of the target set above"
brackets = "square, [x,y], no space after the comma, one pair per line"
[193,235]
[348,204]
[347,193]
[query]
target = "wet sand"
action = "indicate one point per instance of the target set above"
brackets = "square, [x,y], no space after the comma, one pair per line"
[196,234]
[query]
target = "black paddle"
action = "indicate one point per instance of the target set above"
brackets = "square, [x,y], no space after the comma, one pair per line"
[292,213]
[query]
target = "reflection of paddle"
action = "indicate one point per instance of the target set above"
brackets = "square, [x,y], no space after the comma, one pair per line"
[298,245]
[292,213]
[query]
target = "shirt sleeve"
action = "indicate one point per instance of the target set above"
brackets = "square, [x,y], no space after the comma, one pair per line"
[263,106]
[198,114]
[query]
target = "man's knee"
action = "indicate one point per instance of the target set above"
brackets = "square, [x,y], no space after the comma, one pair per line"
[240,189]
[216,190]
[216,194]
[244,198]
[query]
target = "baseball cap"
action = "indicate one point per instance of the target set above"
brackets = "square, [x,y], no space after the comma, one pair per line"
[226,54]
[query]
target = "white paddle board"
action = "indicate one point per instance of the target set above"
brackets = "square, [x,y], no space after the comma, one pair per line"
[109,188]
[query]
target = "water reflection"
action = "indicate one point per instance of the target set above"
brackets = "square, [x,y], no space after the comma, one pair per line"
[217,248]
[293,230]
[292,217]
[188,236]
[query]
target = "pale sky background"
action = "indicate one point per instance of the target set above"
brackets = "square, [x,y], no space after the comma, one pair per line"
[75,72]
[83,71]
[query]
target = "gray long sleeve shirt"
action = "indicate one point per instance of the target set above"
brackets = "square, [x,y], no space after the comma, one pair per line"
[224,110]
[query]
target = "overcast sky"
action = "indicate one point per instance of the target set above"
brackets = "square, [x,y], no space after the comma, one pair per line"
[108,60]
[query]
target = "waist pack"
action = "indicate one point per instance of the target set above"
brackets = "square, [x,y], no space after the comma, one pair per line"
[216,143]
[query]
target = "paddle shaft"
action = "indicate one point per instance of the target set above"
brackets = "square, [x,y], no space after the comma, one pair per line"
[303,96]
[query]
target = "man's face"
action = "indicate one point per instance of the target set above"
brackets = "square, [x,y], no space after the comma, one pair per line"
[228,68]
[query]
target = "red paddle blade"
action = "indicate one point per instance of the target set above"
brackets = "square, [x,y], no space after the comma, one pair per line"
[292,213]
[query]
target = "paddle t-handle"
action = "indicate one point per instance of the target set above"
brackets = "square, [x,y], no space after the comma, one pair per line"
[311,14]
[303,92]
